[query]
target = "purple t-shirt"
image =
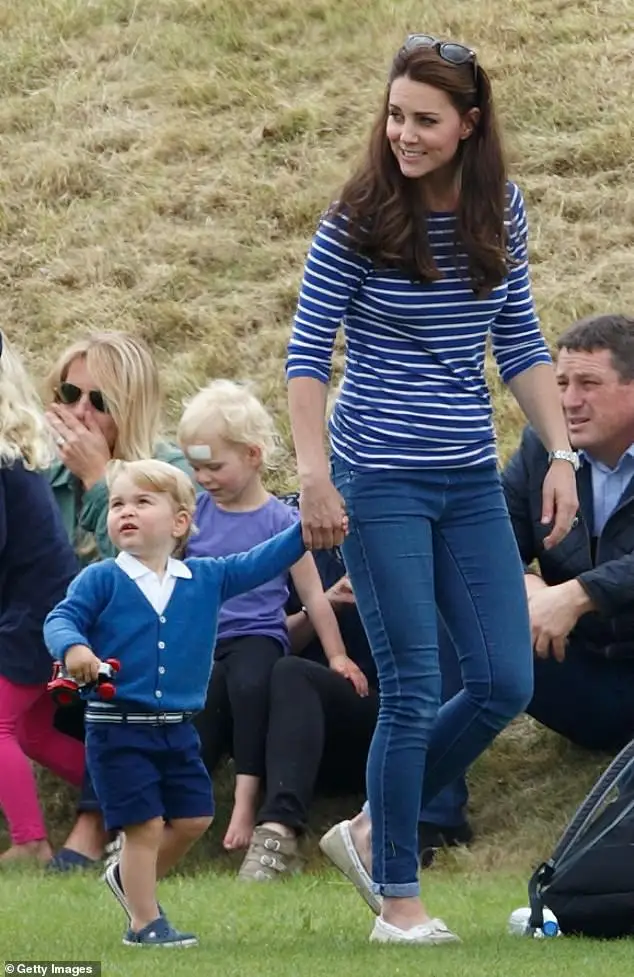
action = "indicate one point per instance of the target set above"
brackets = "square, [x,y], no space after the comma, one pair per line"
[221,533]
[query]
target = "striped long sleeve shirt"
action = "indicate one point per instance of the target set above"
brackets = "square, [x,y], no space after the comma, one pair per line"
[414,392]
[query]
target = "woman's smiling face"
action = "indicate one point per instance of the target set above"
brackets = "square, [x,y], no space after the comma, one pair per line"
[424,128]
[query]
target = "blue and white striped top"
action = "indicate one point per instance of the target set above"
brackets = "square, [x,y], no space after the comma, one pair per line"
[414,392]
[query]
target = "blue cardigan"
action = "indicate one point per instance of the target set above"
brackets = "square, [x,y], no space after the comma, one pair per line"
[166,659]
[36,565]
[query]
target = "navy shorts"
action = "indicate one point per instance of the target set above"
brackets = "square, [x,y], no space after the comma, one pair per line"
[142,772]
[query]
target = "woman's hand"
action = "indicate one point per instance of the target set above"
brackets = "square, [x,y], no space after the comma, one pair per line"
[323,515]
[81,447]
[346,667]
[559,501]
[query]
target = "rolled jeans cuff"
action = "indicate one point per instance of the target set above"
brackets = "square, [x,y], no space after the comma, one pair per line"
[397,890]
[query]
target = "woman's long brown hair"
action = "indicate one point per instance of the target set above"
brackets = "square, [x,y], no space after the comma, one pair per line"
[385,211]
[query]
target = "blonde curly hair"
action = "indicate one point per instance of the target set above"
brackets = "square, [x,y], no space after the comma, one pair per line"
[233,412]
[24,432]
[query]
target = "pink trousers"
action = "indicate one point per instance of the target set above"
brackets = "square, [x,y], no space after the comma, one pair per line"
[27,731]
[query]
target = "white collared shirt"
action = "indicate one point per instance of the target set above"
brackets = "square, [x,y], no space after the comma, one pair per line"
[155,590]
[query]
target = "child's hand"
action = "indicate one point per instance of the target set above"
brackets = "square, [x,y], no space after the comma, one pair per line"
[82,664]
[340,594]
[346,667]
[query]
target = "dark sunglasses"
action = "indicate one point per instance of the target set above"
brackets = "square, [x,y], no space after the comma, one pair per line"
[450,51]
[68,393]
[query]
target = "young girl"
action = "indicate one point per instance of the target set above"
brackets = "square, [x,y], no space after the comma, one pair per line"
[158,616]
[229,439]
[36,565]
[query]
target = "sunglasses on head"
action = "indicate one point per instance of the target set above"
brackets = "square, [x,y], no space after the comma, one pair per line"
[68,393]
[450,51]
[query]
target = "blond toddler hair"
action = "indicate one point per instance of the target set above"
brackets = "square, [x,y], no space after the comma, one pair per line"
[159,476]
[231,411]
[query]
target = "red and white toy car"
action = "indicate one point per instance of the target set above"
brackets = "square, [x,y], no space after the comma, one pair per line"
[66,690]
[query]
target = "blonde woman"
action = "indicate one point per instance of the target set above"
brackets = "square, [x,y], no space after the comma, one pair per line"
[104,403]
[36,565]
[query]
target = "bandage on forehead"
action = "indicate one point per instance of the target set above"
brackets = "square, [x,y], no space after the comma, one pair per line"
[199,452]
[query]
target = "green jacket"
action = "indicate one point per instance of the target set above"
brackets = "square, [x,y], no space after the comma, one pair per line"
[85,514]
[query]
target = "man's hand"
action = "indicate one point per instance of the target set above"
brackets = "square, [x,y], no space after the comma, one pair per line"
[553,612]
[346,667]
[82,664]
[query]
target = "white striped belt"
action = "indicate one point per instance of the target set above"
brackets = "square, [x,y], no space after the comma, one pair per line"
[96,715]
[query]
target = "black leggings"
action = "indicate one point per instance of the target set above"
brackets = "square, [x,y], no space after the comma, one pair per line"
[236,713]
[319,736]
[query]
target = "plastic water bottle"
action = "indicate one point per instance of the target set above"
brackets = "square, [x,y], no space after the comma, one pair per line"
[519,924]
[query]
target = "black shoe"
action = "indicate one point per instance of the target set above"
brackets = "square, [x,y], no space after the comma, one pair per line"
[431,837]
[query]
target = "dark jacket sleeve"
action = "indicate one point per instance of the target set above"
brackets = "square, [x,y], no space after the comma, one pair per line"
[3,519]
[516,482]
[610,585]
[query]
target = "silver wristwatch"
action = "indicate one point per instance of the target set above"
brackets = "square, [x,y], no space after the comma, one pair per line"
[561,455]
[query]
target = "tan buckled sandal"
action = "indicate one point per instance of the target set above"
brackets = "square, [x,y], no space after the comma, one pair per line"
[271,856]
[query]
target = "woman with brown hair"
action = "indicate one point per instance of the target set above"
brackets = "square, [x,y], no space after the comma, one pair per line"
[424,256]
[104,402]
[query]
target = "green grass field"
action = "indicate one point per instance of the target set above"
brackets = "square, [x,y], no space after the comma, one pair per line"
[523,792]
[313,925]
[164,163]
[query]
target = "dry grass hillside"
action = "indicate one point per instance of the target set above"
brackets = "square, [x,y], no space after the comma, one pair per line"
[164,163]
